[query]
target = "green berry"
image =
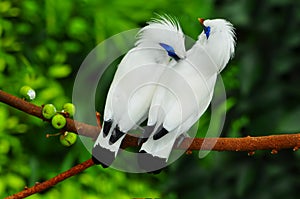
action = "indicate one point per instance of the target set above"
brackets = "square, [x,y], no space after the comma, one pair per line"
[58,121]
[49,111]
[27,92]
[69,108]
[68,138]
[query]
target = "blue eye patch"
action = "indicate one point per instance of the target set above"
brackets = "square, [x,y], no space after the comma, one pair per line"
[207,31]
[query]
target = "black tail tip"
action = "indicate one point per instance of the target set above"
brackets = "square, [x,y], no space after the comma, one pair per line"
[102,156]
[151,164]
[116,135]
[160,134]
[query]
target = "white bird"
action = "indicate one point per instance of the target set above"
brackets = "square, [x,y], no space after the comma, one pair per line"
[185,91]
[132,88]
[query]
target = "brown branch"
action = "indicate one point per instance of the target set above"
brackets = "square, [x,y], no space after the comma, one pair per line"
[53,181]
[249,144]
[276,142]
[27,107]
[273,143]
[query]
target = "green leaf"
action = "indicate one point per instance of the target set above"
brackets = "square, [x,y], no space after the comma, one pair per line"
[4,146]
[3,118]
[14,181]
[77,28]
[59,71]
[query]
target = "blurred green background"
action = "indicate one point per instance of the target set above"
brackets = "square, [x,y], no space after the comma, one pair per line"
[43,44]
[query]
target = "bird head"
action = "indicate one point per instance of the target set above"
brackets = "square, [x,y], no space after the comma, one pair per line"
[218,39]
[206,29]
[163,30]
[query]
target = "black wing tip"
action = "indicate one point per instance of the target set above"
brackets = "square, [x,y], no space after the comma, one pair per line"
[160,134]
[102,156]
[106,127]
[151,164]
[116,135]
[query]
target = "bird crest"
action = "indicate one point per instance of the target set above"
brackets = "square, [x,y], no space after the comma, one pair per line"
[162,23]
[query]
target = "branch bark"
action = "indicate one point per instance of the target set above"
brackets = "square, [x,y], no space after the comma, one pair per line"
[53,181]
[248,144]
[34,110]
[271,142]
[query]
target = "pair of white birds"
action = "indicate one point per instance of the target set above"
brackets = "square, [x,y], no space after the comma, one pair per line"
[160,81]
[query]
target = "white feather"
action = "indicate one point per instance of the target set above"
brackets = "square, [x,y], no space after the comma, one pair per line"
[186,88]
[127,105]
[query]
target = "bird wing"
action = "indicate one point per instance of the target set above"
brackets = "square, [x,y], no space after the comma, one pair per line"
[184,93]
[129,96]
[133,85]
[132,88]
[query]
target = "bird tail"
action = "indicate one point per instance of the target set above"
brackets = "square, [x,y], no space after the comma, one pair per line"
[154,153]
[160,146]
[107,144]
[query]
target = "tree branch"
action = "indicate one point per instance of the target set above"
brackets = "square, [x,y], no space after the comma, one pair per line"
[53,181]
[276,142]
[248,144]
[34,110]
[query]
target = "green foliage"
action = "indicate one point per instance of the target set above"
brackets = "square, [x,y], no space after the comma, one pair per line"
[43,44]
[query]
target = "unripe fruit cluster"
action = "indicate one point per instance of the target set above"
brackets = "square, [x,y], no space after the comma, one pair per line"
[58,120]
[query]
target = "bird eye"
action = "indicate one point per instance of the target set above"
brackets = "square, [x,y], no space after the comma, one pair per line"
[207,31]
